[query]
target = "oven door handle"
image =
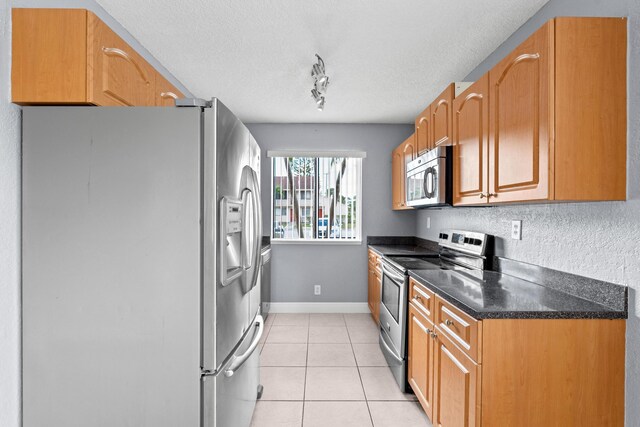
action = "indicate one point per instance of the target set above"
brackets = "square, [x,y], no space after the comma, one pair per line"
[389,349]
[394,276]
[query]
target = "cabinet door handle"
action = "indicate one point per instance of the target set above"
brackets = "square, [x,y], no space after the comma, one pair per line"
[434,335]
[114,51]
[448,322]
[482,195]
[168,95]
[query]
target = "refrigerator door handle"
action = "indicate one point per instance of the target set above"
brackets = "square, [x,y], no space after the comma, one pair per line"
[257,227]
[247,239]
[238,361]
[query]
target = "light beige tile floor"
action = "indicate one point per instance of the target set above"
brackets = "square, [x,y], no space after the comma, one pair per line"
[328,370]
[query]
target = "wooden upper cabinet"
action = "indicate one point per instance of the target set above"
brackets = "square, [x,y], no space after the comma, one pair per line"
[69,56]
[520,132]
[165,93]
[470,144]
[409,150]
[396,178]
[117,75]
[442,117]
[590,109]
[402,155]
[557,119]
[49,56]
[423,131]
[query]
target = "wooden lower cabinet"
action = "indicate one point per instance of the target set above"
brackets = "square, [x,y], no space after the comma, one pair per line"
[374,285]
[456,385]
[527,372]
[420,361]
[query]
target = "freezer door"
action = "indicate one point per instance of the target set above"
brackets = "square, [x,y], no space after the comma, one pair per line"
[229,397]
[232,224]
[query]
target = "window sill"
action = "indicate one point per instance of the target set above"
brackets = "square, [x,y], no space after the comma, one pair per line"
[314,242]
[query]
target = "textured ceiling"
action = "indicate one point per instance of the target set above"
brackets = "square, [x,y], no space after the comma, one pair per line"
[386,59]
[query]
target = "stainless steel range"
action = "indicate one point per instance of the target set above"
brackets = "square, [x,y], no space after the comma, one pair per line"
[458,250]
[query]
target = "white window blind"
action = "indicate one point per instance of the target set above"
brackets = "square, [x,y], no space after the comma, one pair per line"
[316,198]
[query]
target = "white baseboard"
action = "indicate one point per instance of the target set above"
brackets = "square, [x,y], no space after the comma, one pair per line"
[319,307]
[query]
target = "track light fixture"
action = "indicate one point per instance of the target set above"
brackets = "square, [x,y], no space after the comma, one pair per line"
[320,82]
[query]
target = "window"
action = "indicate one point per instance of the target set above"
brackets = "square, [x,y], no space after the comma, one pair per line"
[316,197]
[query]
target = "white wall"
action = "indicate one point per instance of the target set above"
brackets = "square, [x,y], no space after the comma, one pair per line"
[341,270]
[10,126]
[599,240]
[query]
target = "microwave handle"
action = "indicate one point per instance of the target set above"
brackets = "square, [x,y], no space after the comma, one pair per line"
[430,173]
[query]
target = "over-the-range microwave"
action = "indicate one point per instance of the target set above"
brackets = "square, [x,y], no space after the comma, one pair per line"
[429,179]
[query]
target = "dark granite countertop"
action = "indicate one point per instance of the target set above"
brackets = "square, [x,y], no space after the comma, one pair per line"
[389,250]
[495,295]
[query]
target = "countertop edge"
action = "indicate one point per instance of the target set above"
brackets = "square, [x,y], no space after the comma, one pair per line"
[610,315]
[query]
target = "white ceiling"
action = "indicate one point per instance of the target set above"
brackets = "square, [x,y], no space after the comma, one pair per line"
[386,59]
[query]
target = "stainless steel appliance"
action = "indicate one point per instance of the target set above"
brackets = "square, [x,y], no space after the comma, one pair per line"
[458,250]
[265,282]
[141,254]
[429,179]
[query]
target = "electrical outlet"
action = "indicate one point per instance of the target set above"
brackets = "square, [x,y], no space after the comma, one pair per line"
[428,222]
[317,290]
[516,230]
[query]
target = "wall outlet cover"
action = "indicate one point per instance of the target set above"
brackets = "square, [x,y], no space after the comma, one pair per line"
[317,290]
[428,222]
[516,230]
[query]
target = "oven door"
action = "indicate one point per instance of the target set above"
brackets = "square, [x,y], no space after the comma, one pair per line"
[393,308]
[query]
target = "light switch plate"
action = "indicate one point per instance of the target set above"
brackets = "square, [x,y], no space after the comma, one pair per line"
[516,230]
[428,222]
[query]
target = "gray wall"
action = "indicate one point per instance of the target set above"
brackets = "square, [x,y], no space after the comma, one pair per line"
[10,124]
[340,269]
[600,240]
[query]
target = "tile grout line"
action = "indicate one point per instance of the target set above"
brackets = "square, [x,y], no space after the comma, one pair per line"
[360,376]
[306,368]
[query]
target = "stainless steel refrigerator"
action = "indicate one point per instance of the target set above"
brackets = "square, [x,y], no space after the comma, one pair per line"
[141,235]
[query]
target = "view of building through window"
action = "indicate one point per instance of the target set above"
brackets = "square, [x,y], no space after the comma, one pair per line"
[316,198]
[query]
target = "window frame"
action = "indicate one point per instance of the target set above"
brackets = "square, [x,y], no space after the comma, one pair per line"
[359,200]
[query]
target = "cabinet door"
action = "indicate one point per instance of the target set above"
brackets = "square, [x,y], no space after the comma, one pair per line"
[117,75]
[423,131]
[470,144]
[403,154]
[456,396]
[442,118]
[397,179]
[377,289]
[409,151]
[165,93]
[371,290]
[420,369]
[520,113]
[456,385]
